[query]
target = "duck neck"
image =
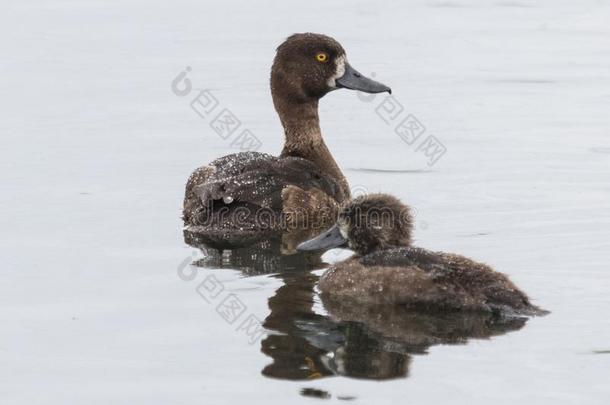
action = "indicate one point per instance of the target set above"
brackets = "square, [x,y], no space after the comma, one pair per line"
[301,124]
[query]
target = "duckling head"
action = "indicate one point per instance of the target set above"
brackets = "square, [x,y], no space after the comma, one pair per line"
[307,66]
[365,224]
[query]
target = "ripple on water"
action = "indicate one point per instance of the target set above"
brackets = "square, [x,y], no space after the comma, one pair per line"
[599,149]
[375,170]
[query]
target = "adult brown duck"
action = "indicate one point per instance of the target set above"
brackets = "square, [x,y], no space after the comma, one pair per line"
[243,195]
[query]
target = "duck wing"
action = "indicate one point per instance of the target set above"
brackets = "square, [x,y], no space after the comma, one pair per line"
[258,179]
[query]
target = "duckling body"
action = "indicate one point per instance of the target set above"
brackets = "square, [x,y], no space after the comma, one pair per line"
[226,198]
[421,279]
[387,269]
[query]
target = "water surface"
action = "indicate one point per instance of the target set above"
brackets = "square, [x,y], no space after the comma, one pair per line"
[100,302]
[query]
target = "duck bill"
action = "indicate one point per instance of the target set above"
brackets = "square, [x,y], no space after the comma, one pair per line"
[328,240]
[354,80]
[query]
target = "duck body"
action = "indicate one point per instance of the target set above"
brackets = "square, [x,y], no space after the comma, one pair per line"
[421,279]
[387,269]
[252,193]
[224,199]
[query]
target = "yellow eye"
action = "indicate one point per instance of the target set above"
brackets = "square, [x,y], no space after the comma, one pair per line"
[321,57]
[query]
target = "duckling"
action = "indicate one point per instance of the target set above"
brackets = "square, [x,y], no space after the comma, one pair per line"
[387,269]
[305,177]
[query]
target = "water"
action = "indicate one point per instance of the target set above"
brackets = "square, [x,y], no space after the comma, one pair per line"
[99,302]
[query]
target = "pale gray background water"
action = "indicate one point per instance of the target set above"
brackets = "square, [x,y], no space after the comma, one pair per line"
[96,148]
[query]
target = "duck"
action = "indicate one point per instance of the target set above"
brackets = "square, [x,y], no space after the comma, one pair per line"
[387,269]
[246,194]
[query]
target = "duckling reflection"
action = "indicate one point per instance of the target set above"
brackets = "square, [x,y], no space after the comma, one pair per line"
[413,331]
[372,342]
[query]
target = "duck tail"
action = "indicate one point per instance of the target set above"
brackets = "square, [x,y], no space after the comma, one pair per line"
[192,204]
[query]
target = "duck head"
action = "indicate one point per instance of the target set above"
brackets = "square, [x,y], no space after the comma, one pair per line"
[365,224]
[307,66]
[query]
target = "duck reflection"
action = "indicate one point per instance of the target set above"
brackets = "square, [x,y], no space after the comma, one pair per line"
[311,338]
[256,257]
